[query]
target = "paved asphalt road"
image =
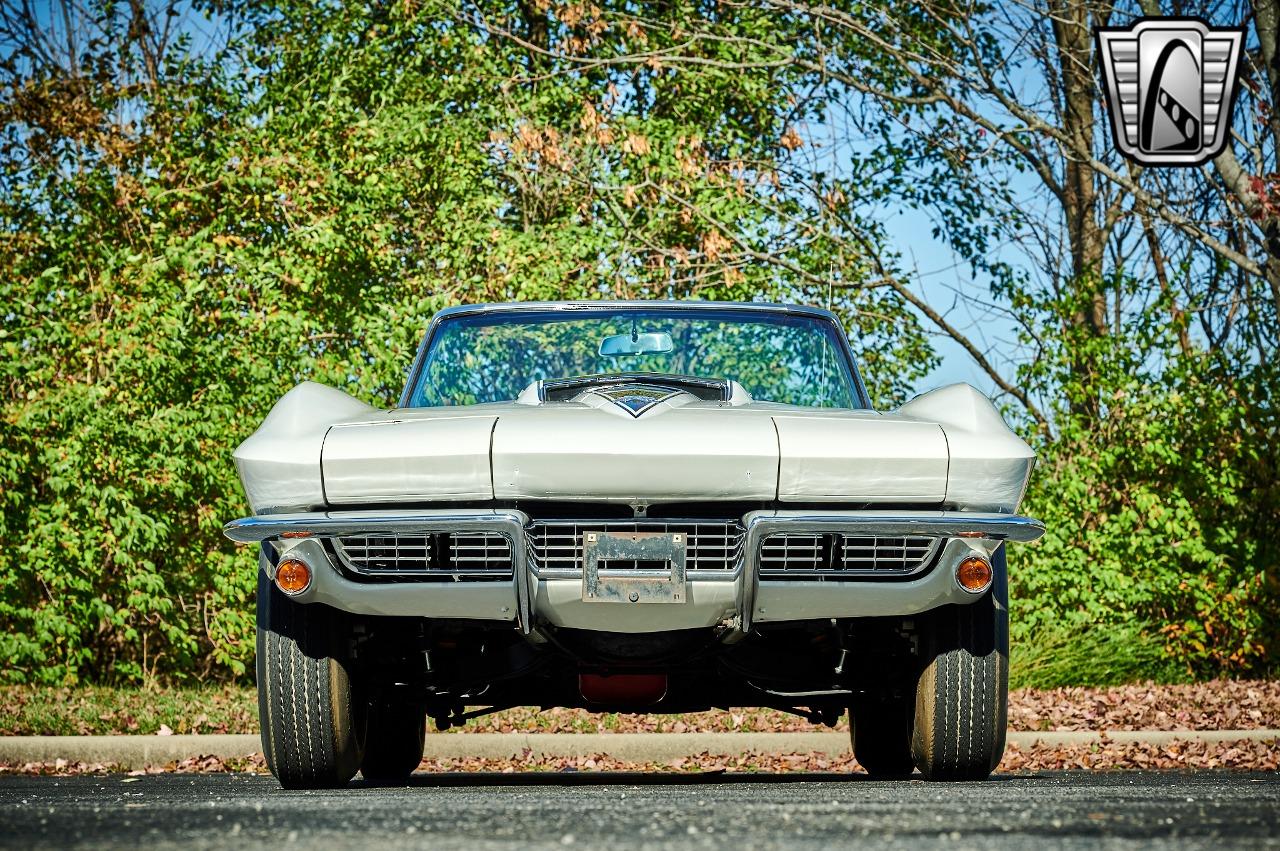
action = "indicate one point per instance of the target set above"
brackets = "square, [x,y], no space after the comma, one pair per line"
[623,811]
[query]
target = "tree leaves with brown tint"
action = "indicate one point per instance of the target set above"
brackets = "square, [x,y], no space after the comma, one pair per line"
[1107,756]
[1214,705]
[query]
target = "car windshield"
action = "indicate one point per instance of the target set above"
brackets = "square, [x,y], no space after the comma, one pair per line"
[781,357]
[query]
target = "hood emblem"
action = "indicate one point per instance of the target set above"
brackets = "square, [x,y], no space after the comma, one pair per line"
[635,399]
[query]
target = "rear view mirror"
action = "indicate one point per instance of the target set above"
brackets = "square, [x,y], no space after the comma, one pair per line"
[656,343]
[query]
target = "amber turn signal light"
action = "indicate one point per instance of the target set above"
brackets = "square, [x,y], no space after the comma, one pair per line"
[293,576]
[974,574]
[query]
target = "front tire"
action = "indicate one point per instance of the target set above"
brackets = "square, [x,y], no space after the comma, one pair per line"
[312,726]
[962,694]
[881,735]
[394,743]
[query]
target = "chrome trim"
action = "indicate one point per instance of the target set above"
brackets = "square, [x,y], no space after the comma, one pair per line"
[945,524]
[883,556]
[408,557]
[734,536]
[779,602]
[263,527]
[507,523]
[993,529]
[941,524]
[490,601]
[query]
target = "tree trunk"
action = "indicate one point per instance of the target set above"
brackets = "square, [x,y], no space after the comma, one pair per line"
[536,31]
[1266,18]
[1073,38]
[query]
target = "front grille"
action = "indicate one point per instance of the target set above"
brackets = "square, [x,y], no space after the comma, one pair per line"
[436,557]
[713,546]
[821,556]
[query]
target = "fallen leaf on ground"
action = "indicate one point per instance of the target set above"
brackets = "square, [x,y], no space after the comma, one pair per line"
[1104,756]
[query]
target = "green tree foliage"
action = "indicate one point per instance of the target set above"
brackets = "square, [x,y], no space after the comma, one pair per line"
[1158,502]
[1143,301]
[189,232]
[201,209]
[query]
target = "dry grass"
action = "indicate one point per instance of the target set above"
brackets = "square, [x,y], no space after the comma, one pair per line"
[96,710]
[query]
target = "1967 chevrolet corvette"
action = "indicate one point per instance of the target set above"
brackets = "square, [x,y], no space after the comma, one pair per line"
[632,507]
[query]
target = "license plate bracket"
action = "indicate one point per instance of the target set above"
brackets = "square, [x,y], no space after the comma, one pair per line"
[654,570]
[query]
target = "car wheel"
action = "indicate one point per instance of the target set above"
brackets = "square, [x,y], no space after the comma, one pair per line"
[881,734]
[963,691]
[394,742]
[311,727]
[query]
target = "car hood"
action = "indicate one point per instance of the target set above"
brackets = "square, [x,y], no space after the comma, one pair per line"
[611,446]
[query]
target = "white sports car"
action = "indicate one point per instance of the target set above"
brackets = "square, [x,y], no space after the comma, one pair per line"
[632,507]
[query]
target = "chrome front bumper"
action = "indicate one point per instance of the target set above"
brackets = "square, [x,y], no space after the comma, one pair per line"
[737,597]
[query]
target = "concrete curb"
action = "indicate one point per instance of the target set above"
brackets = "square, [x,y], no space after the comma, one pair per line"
[125,751]
[139,751]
